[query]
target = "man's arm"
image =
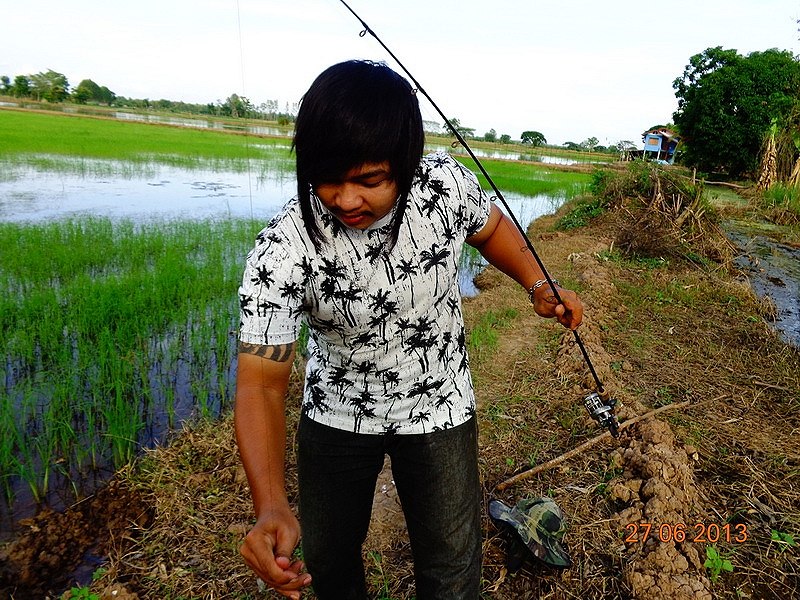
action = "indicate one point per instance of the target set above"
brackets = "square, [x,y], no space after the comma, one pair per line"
[262,381]
[502,244]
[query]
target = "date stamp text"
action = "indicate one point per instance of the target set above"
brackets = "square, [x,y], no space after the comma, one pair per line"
[703,533]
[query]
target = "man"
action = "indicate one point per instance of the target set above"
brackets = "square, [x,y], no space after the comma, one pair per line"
[367,256]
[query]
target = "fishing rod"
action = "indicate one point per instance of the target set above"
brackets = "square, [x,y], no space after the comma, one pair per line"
[598,403]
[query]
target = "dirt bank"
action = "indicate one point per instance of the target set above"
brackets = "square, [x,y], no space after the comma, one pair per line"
[721,471]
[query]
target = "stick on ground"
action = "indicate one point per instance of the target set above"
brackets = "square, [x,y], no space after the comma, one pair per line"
[587,444]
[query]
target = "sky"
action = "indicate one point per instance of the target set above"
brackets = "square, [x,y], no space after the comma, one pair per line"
[570,69]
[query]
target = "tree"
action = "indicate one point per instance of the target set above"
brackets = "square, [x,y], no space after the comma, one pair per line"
[6,84]
[86,91]
[50,86]
[624,146]
[465,132]
[534,138]
[21,88]
[505,139]
[490,136]
[237,106]
[727,102]
[590,143]
[106,96]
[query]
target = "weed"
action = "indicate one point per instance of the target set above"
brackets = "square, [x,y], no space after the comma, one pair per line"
[716,563]
[664,395]
[380,579]
[80,593]
[784,540]
[583,212]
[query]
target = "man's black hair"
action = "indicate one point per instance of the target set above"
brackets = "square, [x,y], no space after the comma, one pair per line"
[356,112]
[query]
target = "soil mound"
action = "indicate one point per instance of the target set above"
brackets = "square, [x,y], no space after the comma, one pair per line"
[662,502]
[43,559]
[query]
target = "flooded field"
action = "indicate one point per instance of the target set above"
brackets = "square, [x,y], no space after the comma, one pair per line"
[143,192]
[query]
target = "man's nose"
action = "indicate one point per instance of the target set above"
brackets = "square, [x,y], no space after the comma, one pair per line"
[348,197]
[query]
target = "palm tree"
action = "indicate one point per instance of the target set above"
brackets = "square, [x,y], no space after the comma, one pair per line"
[407,269]
[339,378]
[421,417]
[292,291]
[383,307]
[244,305]
[434,258]
[316,396]
[306,268]
[364,368]
[348,297]
[263,276]
[363,406]
[362,340]
[418,342]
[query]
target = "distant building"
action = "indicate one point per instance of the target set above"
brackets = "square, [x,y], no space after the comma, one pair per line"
[660,144]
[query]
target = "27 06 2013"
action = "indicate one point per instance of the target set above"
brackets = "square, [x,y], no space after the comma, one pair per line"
[708,533]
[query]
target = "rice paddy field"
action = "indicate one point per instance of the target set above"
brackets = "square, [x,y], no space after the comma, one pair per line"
[114,332]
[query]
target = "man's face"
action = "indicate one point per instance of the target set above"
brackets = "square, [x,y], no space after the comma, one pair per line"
[364,195]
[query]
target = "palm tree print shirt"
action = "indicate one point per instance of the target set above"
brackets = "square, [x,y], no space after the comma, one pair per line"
[387,350]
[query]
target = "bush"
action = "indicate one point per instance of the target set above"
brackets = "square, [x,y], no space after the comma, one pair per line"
[660,214]
[782,203]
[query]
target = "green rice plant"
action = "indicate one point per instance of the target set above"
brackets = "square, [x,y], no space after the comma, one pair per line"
[75,137]
[8,438]
[529,179]
[97,318]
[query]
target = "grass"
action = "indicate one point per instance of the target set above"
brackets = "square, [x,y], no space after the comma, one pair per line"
[58,142]
[105,327]
[484,334]
[530,179]
[782,203]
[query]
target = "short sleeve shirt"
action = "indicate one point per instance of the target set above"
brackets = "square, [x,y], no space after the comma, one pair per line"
[387,349]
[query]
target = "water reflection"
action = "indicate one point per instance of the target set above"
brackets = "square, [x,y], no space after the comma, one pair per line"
[147,192]
[515,154]
[200,123]
[150,191]
[525,209]
[774,271]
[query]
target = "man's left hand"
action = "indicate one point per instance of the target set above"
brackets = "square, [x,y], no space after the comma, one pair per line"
[569,312]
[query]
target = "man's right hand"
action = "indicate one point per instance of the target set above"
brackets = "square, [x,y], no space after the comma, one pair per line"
[268,548]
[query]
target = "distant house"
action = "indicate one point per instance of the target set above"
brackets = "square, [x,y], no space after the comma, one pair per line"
[660,144]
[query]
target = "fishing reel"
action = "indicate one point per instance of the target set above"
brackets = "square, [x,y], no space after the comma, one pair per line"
[602,411]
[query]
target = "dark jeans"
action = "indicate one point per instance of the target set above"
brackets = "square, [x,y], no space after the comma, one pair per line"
[437,481]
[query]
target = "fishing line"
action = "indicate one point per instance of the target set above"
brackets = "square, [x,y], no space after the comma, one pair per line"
[498,194]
